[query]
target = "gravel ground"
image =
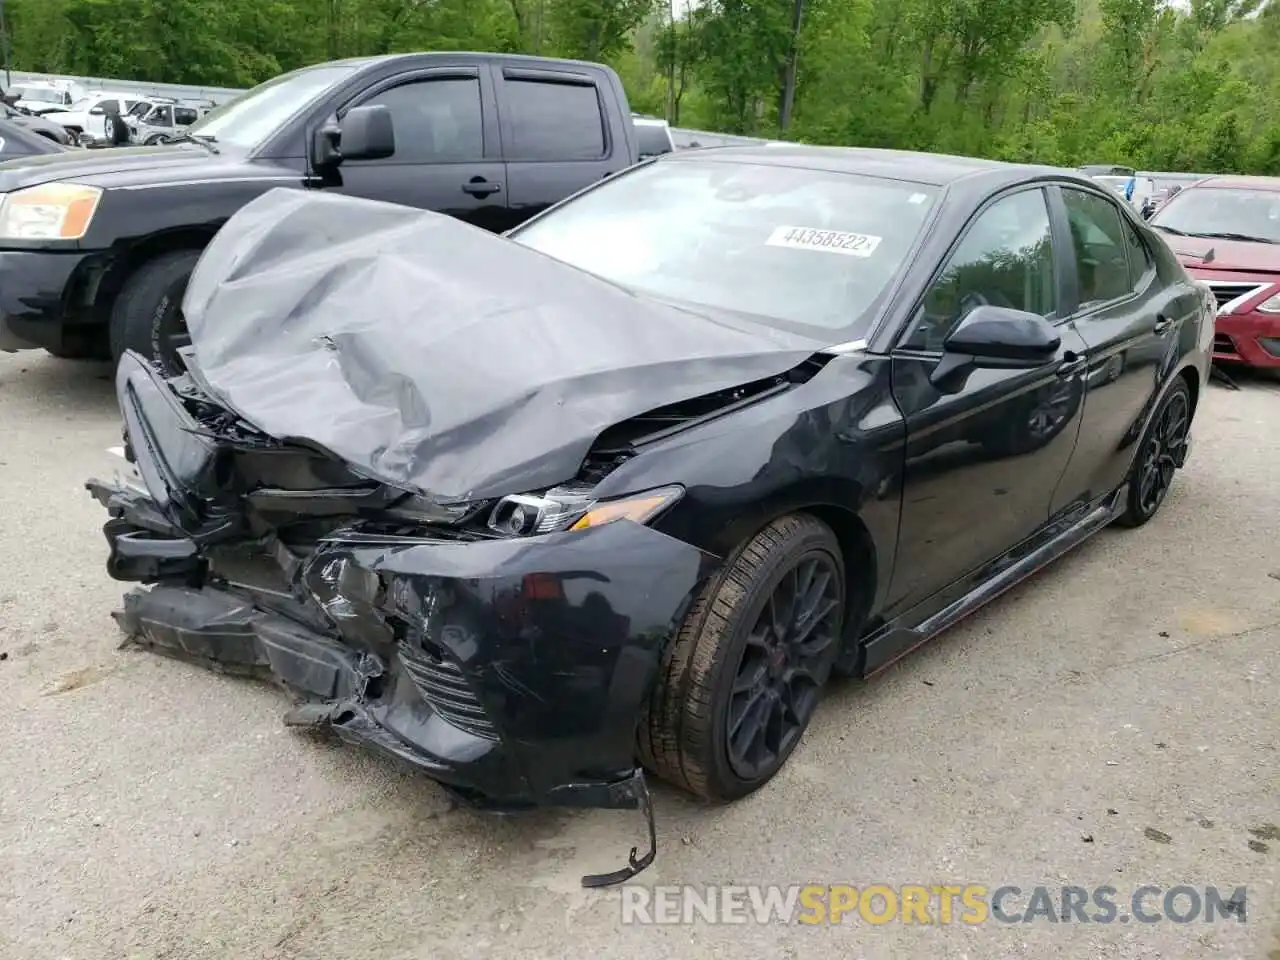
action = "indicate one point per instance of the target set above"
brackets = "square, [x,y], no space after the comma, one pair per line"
[1115,721]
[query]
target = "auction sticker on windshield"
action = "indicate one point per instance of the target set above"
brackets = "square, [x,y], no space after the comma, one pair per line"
[833,241]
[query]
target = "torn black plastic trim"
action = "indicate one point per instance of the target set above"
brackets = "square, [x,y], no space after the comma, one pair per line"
[624,440]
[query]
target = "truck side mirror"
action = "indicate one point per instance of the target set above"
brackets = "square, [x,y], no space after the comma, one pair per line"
[367,134]
[364,133]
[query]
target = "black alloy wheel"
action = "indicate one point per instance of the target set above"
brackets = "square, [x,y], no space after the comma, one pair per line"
[739,682]
[785,662]
[1163,451]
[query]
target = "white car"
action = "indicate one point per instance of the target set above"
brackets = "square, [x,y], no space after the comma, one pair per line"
[40,96]
[88,116]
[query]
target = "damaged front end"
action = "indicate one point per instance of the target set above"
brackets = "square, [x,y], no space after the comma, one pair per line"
[504,646]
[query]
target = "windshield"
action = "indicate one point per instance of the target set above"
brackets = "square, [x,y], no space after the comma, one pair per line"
[800,247]
[1219,211]
[252,117]
[42,94]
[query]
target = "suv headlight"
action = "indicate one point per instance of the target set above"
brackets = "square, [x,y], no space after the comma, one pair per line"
[51,211]
[562,508]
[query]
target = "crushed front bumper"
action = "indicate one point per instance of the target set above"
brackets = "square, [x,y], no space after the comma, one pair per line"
[513,672]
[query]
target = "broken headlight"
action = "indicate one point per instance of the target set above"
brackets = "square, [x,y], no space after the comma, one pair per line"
[568,508]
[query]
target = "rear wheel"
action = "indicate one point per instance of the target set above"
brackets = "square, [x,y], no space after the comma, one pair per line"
[1164,447]
[147,316]
[740,682]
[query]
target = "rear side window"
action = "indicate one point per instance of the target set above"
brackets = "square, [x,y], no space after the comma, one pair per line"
[1102,264]
[184,116]
[550,120]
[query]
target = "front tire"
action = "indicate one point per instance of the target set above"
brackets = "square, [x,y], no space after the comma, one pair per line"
[147,316]
[738,685]
[1163,449]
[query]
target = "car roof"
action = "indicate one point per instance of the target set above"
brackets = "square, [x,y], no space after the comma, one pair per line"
[935,169]
[1269,184]
[432,54]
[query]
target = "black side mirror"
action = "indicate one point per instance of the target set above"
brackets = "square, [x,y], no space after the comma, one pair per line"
[365,133]
[997,337]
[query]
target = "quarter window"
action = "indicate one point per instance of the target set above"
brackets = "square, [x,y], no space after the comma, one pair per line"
[1005,260]
[1140,262]
[1102,265]
[553,121]
[435,121]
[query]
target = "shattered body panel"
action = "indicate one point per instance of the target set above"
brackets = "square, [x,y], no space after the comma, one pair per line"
[511,669]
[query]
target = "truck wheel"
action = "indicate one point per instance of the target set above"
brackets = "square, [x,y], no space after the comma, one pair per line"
[738,684]
[147,316]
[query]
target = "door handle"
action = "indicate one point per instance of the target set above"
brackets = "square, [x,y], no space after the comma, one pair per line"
[481,188]
[1163,323]
[1072,363]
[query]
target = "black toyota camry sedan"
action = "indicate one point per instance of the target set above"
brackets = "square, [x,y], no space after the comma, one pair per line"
[621,490]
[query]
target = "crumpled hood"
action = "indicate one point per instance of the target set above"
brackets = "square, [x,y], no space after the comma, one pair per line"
[433,355]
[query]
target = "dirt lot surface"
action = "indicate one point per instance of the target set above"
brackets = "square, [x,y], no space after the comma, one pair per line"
[1116,721]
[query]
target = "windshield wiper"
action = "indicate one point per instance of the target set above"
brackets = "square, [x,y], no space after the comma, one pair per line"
[1173,230]
[206,142]
[1246,238]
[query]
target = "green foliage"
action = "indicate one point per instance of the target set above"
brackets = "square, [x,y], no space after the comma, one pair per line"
[1191,86]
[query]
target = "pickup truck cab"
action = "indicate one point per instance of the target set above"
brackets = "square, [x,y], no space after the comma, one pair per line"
[96,246]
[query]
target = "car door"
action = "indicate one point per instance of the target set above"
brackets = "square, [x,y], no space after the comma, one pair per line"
[1129,322]
[96,117]
[983,456]
[447,155]
[162,119]
[555,136]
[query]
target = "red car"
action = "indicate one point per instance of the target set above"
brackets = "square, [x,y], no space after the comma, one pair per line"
[1226,232]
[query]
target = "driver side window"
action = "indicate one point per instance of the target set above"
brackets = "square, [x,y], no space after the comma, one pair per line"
[1005,260]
